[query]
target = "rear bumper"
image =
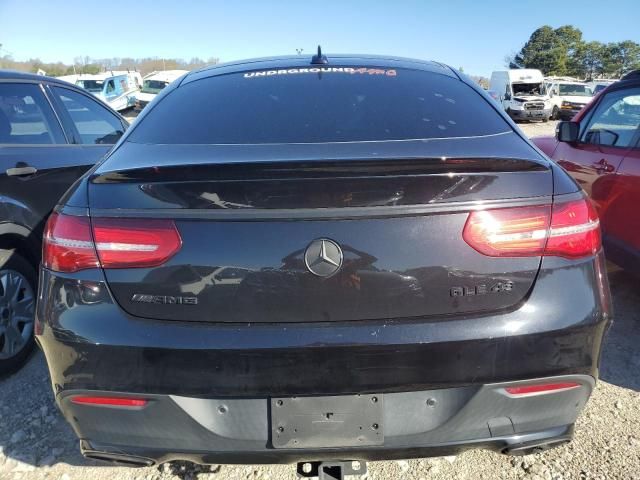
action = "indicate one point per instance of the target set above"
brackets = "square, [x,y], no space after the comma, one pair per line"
[414,424]
[187,368]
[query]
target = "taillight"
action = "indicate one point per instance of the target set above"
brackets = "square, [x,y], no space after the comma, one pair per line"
[134,242]
[67,244]
[75,243]
[569,229]
[575,230]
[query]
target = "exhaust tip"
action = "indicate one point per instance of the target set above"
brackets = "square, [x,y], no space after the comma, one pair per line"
[115,458]
[519,450]
[118,459]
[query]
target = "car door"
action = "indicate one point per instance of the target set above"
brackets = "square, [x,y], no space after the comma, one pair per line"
[40,153]
[36,165]
[606,136]
[621,221]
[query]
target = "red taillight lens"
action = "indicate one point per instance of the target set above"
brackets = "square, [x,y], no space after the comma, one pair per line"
[75,243]
[133,242]
[575,230]
[67,244]
[569,229]
[110,401]
[508,232]
[541,388]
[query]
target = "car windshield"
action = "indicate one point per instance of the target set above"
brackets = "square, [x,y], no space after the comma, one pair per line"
[91,85]
[528,89]
[319,105]
[153,86]
[575,90]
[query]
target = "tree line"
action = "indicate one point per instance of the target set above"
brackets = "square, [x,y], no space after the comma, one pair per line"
[563,52]
[91,65]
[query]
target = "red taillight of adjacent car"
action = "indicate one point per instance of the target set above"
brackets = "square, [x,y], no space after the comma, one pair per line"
[110,401]
[568,229]
[528,390]
[76,243]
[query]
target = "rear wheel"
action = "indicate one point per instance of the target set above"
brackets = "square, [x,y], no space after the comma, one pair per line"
[17,306]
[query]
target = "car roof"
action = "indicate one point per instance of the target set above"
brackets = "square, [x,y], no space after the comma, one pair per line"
[334,60]
[30,77]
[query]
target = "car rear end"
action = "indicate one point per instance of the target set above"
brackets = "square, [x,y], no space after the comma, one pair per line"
[322,263]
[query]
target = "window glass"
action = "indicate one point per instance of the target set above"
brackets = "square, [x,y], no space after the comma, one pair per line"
[111,86]
[575,90]
[153,86]
[93,86]
[94,123]
[26,117]
[616,119]
[316,105]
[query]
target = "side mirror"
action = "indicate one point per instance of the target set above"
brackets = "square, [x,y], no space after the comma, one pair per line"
[507,96]
[567,132]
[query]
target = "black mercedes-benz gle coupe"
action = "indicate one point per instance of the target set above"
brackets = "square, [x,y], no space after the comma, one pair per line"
[319,260]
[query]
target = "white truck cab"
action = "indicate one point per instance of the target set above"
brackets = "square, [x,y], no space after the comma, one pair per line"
[568,96]
[117,89]
[522,93]
[154,83]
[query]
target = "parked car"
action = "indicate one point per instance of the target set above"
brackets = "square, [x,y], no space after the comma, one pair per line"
[567,97]
[153,84]
[51,132]
[600,148]
[412,277]
[117,89]
[522,93]
[598,85]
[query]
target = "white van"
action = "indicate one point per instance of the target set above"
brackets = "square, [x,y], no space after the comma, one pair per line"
[117,89]
[568,96]
[153,84]
[522,93]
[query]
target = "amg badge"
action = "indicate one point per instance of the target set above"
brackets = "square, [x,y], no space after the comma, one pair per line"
[164,299]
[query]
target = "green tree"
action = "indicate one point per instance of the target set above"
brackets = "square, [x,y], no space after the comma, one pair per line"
[546,50]
[588,60]
[621,57]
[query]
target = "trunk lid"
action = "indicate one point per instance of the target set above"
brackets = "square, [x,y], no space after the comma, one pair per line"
[249,216]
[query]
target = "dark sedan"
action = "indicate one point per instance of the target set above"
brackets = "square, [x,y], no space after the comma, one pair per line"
[319,260]
[51,132]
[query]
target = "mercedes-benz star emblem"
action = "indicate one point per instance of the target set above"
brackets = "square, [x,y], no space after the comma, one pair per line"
[323,257]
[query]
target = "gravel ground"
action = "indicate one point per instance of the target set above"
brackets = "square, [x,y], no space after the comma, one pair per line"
[36,443]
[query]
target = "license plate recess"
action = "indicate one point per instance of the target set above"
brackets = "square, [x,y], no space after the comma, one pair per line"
[324,422]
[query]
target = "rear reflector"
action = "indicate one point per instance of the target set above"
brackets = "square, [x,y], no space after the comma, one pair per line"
[75,243]
[110,401]
[569,229]
[541,388]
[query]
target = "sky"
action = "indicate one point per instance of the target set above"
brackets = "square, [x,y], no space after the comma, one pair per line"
[475,35]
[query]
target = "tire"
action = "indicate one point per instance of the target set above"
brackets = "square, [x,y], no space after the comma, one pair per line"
[18,287]
[555,113]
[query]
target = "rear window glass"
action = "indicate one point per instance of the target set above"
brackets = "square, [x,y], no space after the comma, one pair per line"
[306,105]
